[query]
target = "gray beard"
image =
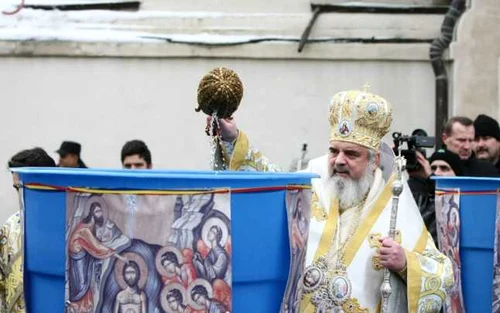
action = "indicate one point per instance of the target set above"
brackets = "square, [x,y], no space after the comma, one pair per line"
[349,191]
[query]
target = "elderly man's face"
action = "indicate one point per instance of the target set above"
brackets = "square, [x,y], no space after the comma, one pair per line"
[442,168]
[348,160]
[487,148]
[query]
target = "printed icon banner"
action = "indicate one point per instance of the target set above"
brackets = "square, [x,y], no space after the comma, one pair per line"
[298,208]
[129,253]
[448,223]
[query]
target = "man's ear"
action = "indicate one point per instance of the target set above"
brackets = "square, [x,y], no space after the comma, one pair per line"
[444,137]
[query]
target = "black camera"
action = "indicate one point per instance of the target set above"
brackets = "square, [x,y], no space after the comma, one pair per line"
[418,141]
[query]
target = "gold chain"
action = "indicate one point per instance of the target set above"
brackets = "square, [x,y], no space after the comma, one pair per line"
[340,251]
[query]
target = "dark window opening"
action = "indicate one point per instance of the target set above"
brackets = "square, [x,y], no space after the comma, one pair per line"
[81,5]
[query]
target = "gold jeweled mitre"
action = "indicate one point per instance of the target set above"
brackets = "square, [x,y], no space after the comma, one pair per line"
[359,117]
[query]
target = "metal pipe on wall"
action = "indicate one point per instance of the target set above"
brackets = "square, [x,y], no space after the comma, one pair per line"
[438,46]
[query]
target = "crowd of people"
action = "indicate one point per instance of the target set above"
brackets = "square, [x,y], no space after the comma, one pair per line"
[135,154]
[471,148]
[350,172]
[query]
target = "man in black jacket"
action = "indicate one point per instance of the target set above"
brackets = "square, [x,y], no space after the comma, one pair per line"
[487,139]
[441,163]
[459,138]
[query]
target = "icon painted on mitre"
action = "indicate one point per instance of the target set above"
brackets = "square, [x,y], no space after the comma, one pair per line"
[344,128]
[372,108]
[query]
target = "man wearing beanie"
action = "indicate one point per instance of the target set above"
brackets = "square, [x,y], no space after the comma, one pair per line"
[441,163]
[446,163]
[487,139]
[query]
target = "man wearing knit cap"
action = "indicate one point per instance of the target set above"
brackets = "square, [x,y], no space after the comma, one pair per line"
[351,206]
[446,163]
[487,139]
[442,163]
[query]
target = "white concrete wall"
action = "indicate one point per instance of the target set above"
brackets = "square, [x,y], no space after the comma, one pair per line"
[103,102]
[475,55]
[93,77]
[275,6]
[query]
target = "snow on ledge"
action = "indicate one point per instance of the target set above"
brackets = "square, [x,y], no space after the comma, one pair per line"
[113,36]
[108,15]
[107,26]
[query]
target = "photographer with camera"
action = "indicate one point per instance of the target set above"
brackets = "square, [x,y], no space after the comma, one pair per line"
[441,163]
[420,170]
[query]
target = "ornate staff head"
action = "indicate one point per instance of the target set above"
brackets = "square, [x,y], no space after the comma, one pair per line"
[220,92]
